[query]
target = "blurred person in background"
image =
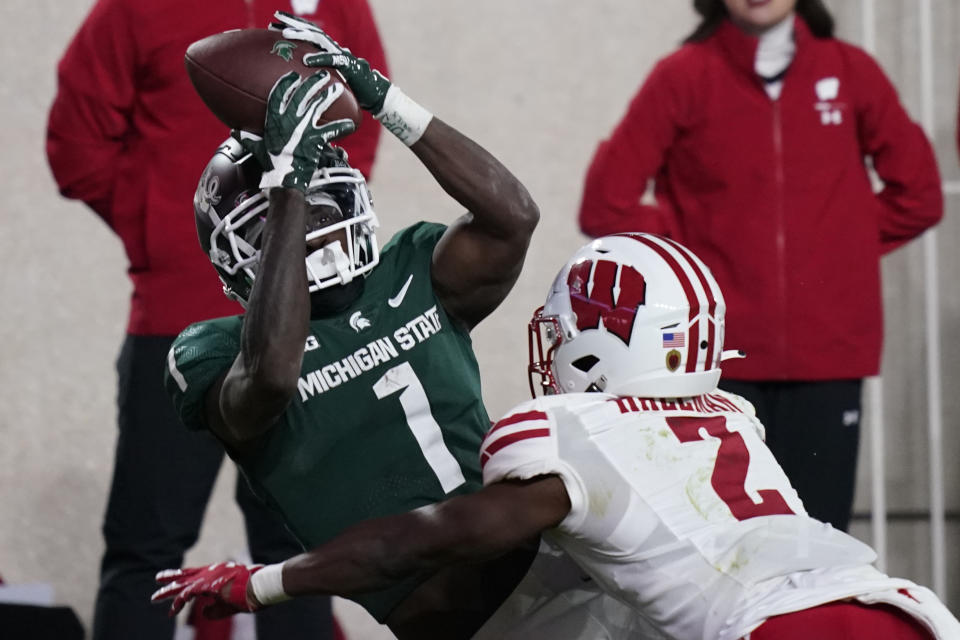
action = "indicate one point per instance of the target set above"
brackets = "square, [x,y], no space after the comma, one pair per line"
[128,136]
[754,133]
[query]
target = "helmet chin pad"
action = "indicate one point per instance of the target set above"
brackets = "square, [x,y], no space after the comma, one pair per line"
[328,266]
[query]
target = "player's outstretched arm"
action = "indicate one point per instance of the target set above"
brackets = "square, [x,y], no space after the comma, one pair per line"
[377,553]
[479,259]
[259,385]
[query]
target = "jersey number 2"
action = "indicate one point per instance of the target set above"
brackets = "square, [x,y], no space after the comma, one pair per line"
[425,429]
[730,469]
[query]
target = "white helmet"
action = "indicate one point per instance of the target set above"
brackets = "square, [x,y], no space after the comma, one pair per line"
[630,314]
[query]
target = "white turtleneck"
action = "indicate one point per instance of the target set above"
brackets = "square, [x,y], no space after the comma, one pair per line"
[774,54]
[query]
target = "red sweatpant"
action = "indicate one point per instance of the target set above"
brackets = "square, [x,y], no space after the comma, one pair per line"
[843,621]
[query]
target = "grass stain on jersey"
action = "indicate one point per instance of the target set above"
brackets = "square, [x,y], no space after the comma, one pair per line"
[600,501]
[736,565]
[700,494]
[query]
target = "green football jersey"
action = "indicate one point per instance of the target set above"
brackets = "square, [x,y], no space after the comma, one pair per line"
[388,416]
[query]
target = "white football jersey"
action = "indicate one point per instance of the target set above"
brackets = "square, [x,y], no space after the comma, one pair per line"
[679,509]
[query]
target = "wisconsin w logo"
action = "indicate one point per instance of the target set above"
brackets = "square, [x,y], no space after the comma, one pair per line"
[358,323]
[599,293]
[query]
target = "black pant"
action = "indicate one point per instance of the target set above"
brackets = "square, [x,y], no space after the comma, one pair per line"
[162,480]
[813,429]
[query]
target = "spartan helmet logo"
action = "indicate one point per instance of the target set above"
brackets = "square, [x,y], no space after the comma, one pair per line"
[284,49]
[358,323]
[208,191]
[608,292]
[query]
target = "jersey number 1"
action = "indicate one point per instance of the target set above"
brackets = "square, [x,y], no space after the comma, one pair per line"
[730,469]
[425,429]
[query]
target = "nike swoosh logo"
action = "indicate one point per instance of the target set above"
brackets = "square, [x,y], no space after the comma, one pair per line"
[396,300]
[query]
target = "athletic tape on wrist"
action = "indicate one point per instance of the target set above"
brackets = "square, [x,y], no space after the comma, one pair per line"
[403,117]
[267,584]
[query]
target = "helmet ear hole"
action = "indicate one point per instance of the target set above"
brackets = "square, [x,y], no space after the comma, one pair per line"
[585,363]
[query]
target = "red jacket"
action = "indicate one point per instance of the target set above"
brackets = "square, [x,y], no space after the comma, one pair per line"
[129,136]
[773,195]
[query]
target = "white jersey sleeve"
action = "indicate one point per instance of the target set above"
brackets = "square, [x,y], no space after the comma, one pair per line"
[520,445]
[524,444]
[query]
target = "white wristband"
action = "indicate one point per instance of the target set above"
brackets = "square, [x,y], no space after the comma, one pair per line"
[402,116]
[267,585]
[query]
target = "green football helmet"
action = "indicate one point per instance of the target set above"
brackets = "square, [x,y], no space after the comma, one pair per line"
[230,211]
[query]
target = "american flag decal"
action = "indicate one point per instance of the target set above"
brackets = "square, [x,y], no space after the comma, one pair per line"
[673,339]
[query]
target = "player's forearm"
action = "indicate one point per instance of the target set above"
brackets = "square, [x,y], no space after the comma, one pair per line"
[470,528]
[368,556]
[499,202]
[378,553]
[277,319]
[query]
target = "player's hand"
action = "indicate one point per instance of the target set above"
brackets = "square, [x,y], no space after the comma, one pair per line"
[223,586]
[289,151]
[368,85]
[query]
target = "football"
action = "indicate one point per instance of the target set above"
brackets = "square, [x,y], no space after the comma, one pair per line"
[234,72]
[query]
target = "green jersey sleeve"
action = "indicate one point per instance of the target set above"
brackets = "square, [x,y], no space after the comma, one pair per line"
[198,357]
[416,241]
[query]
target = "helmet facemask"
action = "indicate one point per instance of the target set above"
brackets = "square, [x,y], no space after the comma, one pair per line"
[543,330]
[235,246]
[339,202]
[231,213]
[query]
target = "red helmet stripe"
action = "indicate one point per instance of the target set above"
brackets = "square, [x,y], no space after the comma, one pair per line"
[692,299]
[711,298]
